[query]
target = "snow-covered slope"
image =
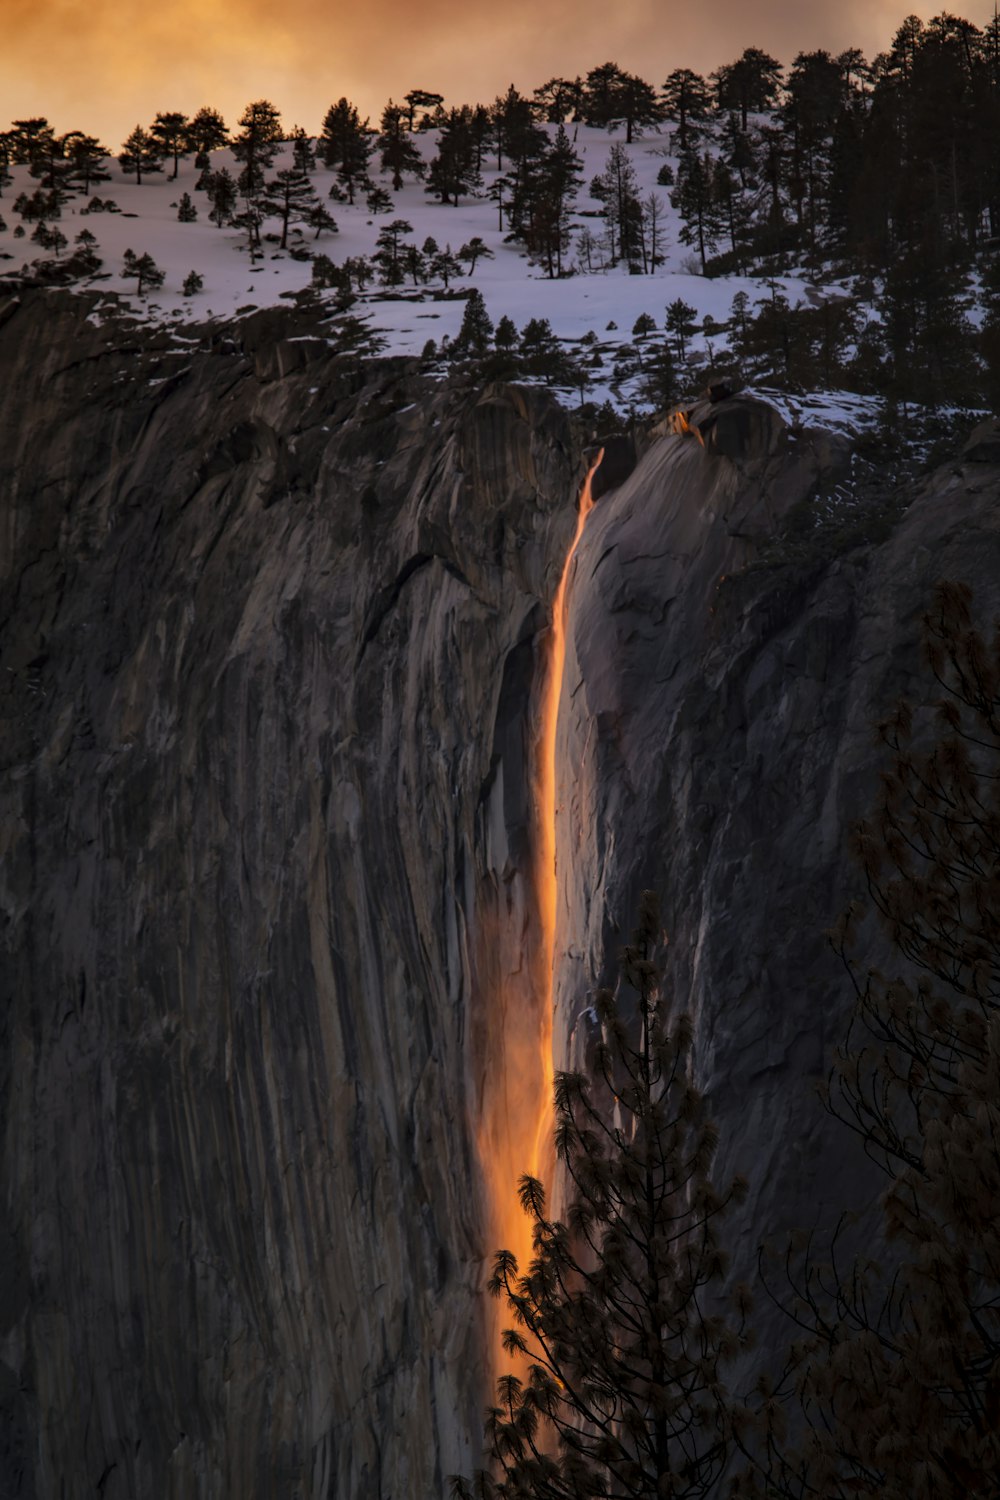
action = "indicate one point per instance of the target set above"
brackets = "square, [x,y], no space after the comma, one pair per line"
[602,303]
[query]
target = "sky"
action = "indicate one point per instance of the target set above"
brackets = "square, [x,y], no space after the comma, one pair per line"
[104,67]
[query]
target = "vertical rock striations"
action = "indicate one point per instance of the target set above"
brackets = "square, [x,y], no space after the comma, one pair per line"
[266,649]
[270,630]
[717,740]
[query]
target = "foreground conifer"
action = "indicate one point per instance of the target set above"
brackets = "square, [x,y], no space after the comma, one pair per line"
[619,1320]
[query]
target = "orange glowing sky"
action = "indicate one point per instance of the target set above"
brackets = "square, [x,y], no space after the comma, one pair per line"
[101,66]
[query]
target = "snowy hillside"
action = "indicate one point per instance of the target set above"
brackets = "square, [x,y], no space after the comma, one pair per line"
[599,305]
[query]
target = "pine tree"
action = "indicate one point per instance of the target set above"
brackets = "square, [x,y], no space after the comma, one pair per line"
[145,270]
[639,106]
[930,338]
[658,380]
[50,165]
[221,189]
[601,101]
[476,250]
[140,153]
[186,211]
[256,146]
[558,99]
[898,1368]
[695,200]
[444,265]
[453,172]
[85,157]
[288,196]
[686,100]
[542,201]
[193,284]
[477,327]
[320,219]
[388,251]
[30,140]
[681,321]
[398,153]
[617,188]
[989,338]
[506,335]
[621,1392]
[303,153]
[171,132]
[378,201]
[421,99]
[516,136]
[346,144]
[750,83]
[85,261]
[206,131]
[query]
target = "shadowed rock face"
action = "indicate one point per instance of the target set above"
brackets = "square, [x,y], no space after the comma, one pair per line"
[266,651]
[269,634]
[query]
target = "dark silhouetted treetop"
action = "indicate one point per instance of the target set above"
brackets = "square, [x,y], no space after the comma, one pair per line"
[303,153]
[256,145]
[85,160]
[346,144]
[687,99]
[750,84]
[398,153]
[558,100]
[477,327]
[207,131]
[30,140]
[611,97]
[453,172]
[424,99]
[516,136]
[140,154]
[170,131]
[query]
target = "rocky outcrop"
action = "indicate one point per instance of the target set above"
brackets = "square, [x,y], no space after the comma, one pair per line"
[270,624]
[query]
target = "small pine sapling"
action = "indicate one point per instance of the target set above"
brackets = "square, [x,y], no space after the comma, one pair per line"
[145,270]
[186,211]
[193,283]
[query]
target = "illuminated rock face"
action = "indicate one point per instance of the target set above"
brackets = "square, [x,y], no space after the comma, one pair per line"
[717,740]
[270,630]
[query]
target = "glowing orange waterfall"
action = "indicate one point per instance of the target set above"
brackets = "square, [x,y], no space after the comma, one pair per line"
[515,1129]
[546,874]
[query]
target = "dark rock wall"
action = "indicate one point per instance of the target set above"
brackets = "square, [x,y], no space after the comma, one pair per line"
[269,632]
[254,637]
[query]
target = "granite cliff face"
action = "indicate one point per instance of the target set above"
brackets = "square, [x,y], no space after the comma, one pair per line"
[270,628]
